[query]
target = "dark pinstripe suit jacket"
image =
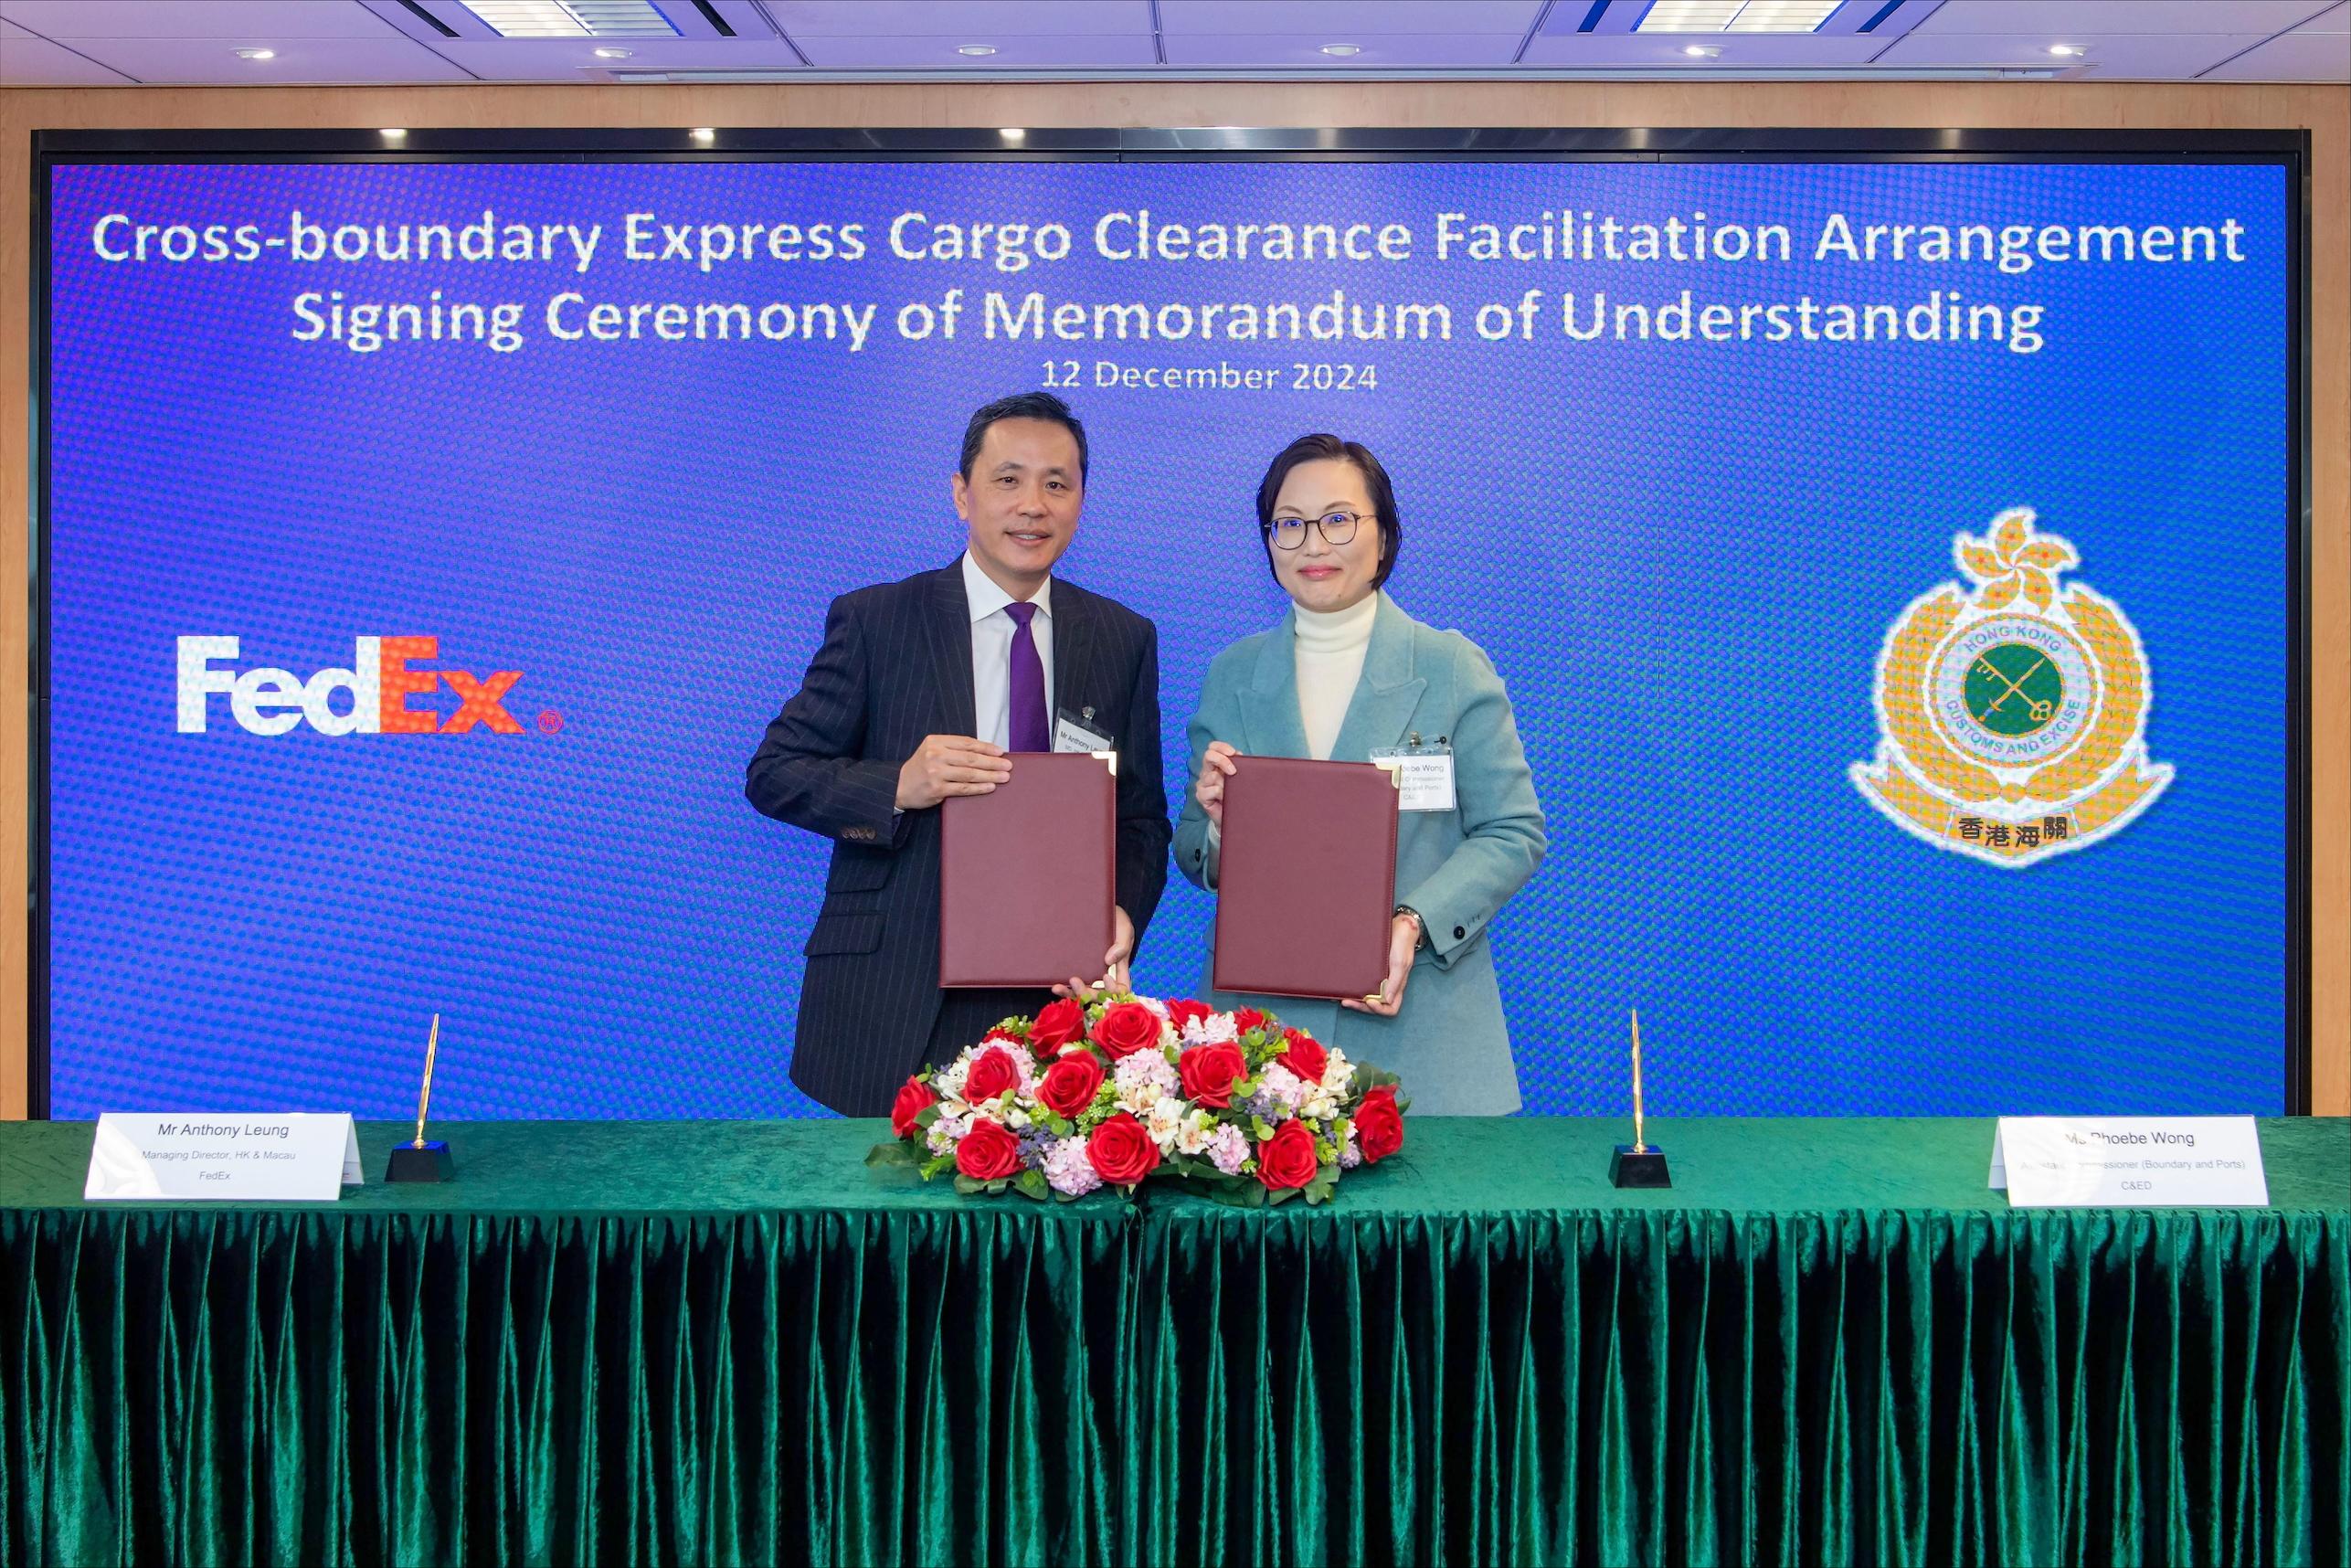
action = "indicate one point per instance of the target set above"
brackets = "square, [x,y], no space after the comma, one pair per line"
[894,667]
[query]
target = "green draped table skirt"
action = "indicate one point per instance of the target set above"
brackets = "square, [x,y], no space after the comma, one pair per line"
[732,1342]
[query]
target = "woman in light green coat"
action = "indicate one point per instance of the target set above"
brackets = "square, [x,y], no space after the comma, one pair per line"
[1346,674]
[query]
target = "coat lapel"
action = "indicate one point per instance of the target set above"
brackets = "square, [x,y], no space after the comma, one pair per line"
[948,619]
[1386,692]
[1074,647]
[1270,703]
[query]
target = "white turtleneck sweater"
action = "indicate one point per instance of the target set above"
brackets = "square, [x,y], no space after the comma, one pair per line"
[1329,651]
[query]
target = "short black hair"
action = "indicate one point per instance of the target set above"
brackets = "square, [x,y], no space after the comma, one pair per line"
[1022,405]
[1330,449]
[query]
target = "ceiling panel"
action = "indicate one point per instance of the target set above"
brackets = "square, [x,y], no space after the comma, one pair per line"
[967,21]
[2336,19]
[2300,56]
[2167,56]
[1379,50]
[2057,17]
[180,61]
[1598,51]
[574,59]
[1347,20]
[1095,51]
[28,61]
[253,21]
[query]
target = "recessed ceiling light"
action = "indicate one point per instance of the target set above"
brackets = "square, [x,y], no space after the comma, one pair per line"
[256,54]
[573,18]
[975,49]
[704,134]
[2066,50]
[1735,17]
[609,53]
[1342,50]
[394,133]
[1013,133]
[1699,52]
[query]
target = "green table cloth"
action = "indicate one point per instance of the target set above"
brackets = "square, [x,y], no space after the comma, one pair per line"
[717,1343]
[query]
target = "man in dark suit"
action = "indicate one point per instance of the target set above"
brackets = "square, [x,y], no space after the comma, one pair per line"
[921,690]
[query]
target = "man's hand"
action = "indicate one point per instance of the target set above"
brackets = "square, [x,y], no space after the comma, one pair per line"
[1114,963]
[946,765]
[1403,936]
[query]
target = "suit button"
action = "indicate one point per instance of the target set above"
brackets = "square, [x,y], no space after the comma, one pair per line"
[1459,932]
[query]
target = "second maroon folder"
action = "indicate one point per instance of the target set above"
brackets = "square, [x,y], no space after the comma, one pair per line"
[1028,874]
[1306,880]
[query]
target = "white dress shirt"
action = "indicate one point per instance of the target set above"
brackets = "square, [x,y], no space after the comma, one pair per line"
[992,653]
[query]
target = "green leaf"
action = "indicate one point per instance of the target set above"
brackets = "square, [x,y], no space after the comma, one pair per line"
[1257,1126]
[891,1153]
[1033,1182]
[1281,1194]
[996,1184]
[1238,1194]
[937,1164]
[927,1115]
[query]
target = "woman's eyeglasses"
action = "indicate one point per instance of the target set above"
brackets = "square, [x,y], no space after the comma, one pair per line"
[1290,532]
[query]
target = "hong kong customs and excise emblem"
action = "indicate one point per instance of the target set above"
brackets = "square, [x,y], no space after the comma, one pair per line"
[2012,719]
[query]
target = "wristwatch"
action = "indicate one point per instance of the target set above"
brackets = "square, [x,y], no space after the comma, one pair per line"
[1420,927]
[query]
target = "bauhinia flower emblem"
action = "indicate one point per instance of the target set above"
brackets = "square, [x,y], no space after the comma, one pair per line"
[2012,559]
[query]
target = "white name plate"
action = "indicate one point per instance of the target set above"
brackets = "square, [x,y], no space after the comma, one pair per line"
[2129,1162]
[246,1159]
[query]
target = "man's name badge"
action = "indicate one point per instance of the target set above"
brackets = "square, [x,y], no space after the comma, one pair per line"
[205,1155]
[1080,731]
[1423,776]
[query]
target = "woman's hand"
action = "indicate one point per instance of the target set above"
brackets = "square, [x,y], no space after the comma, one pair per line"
[1403,937]
[1215,768]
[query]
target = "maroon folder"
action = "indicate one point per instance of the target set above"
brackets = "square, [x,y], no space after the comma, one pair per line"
[1028,874]
[1306,880]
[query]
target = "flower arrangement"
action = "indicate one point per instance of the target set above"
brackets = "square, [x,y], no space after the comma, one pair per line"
[1114,1091]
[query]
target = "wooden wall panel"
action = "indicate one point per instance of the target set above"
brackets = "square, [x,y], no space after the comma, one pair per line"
[2324,110]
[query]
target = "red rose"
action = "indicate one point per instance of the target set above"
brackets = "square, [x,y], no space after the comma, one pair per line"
[1245,1019]
[986,1152]
[1061,1022]
[1122,1151]
[1208,1072]
[992,1073]
[910,1105]
[1287,1160]
[1127,1029]
[1183,1012]
[1379,1124]
[1302,1053]
[1069,1085]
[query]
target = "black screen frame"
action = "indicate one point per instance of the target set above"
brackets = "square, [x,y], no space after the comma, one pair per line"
[2290,149]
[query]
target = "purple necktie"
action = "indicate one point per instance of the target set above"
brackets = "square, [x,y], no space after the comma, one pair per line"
[1027,690]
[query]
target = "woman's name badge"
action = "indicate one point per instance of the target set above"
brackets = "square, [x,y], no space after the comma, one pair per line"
[1423,776]
[1080,731]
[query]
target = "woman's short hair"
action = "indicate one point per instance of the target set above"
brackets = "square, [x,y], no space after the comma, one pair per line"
[1330,449]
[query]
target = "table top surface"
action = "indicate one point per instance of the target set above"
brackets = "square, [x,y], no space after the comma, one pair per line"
[1448,1165]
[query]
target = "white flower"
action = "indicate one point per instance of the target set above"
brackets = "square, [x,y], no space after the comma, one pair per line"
[1199,1130]
[1339,1076]
[1142,1098]
[1142,1068]
[1228,1150]
[991,1110]
[1212,1029]
[1164,1120]
[940,1137]
[949,1128]
[1319,1105]
[1155,1004]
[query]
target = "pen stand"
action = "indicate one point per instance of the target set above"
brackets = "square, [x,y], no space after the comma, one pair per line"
[426,1162]
[1629,1167]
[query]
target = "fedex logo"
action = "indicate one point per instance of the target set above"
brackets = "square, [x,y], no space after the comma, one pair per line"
[272,702]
